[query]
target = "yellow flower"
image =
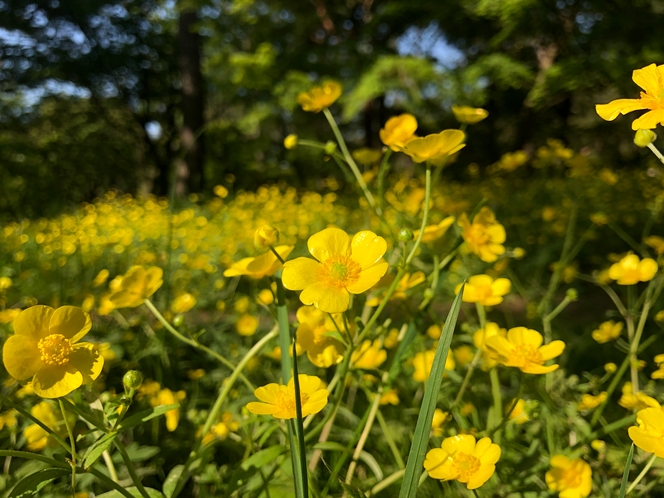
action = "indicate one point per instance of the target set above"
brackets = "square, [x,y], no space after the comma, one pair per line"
[290,142]
[136,286]
[651,79]
[195,374]
[519,415]
[101,278]
[608,331]
[572,478]
[657,243]
[5,283]
[392,339]
[221,430]
[610,367]
[320,97]
[523,349]
[423,362]
[434,232]
[368,356]
[464,459]
[390,397]
[484,290]
[266,236]
[322,349]
[469,115]
[407,282]
[45,346]
[434,331]
[598,445]
[367,156]
[464,354]
[590,402]
[36,437]
[261,266]
[344,267]
[489,357]
[649,435]
[484,236]
[9,315]
[637,401]
[246,325]
[8,419]
[434,148]
[265,296]
[168,397]
[398,131]
[630,270]
[439,419]
[279,400]
[183,303]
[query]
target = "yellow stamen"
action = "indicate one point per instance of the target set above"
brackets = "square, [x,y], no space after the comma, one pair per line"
[339,271]
[466,465]
[55,349]
[526,353]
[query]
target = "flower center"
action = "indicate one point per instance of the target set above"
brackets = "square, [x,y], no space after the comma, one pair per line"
[466,465]
[526,353]
[286,400]
[339,272]
[572,478]
[55,349]
[632,275]
[477,235]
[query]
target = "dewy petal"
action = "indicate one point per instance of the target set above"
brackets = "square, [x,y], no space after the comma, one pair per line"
[325,298]
[86,359]
[329,242]
[70,321]
[299,273]
[650,79]
[367,248]
[368,278]
[613,109]
[56,381]
[552,350]
[21,357]
[33,322]
[649,120]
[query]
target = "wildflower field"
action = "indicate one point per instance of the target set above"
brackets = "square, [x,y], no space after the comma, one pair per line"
[411,333]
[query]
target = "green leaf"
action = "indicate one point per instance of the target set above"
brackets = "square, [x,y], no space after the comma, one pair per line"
[133,491]
[423,427]
[172,480]
[36,481]
[263,457]
[625,479]
[146,415]
[96,450]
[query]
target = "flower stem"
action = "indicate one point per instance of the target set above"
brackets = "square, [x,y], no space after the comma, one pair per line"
[659,156]
[642,474]
[130,468]
[72,442]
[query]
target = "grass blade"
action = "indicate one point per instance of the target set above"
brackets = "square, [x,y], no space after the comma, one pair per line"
[625,479]
[423,427]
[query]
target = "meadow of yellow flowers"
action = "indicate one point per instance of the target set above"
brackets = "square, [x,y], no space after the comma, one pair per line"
[493,332]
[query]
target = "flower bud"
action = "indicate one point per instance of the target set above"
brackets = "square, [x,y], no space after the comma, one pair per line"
[330,147]
[610,368]
[405,235]
[643,138]
[132,380]
[572,295]
[178,320]
[428,293]
[266,236]
[290,142]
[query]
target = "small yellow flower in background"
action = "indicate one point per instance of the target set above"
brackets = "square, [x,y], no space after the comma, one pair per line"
[220,191]
[600,219]
[434,331]
[398,131]
[247,325]
[434,148]
[368,356]
[649,435]
[290,142]
[466,409]
[464,459]
[241,304]
[322,349]
[489,357]
[88,303]
[469,115]
[630,270]
[101,278]
[656,242]
[598,445]
[590,402]
[651,79]
[8,316]
[637,401]
[407,282]
[659,373]
[168,397]
[183,303]
[320,97]
[610,368]
[279,400]
[423,362]
[463,355]
[266,236]
[392,339]
[344,266]
[265,296]
[484,290]
[261,266]
[434,232]
[367,156]
[523,349]
[221,430]
[8,419]
[571,478]
[438,421]
[519,415]
[136,286]
[5,283]
[390,397]
[484,236]
[45,347]
[195,374]
[510,161]
[608,331]
[47,413]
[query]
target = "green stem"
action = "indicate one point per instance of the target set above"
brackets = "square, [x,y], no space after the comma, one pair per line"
[384,168]
[626,237]
[72,442]
[387,481]
[302,487]
[130,468]
[109,482]
[390,440]
[481,314]
[497,398]
[503,422]
[642,474]
[656,151]
[41,424]
[612,387]
[35,456]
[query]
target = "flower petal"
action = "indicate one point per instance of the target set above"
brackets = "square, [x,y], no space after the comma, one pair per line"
[299,273]
[326,298]
[153,280]
[33,322]
[126,299]
[650,79]
[56,381]
[367,248]
[21,356]
[238,268]
[649,120]
[267,393]
[329,242]
[70,321]
[368,278]
[261,408]
[551,350]
[481,476]
[613,109]
[86,359]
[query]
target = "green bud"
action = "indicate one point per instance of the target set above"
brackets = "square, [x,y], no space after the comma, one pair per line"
[330,147]
[428,294]
[178,320]
[643,138]
[132,380]
[572,295]
[405,235]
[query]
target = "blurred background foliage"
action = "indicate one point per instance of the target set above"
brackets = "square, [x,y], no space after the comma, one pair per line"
[174,97]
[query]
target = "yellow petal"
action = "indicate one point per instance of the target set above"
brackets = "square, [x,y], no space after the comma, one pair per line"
[646,441]
[368,278]
[21,357]
[34,322]
[299,273]
[647,268]
[326,298]
[70,321]
[367,248]
[329,242]
[56,381]
[539,369]
[501,286]
[267,393]
[613,109]
[261,408]
[552,350]
[481,476]
[308,383]
[315,403]
[238,268]
[134,278]
[126,299]
[650,79]
[153,280]
[649,120]
[86,359]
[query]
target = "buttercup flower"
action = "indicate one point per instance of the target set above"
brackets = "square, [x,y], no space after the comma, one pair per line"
[434,148]
[651,79]
[484,290]
[320,97]
[47,413]
[523,349]
[367,156]
[221,430]
[572,478]
[183,303]
[168,397]
[590,402]
[434,232]
[659,373]
[423,362]
[638,401]
[343,267]
[656,242]
[45,347]
[8,419]
[136,286]
[390,397]
[407,282]
[322,349]
[489,357]
[368,356]
[464,459]
[279,400]
[398,131]
[266,236]
[438,421]
[246,325]
[518,415]
[484,236]
[608,331]
[469,115]
[260,266]
[290,142]
[649,435]
[630,269]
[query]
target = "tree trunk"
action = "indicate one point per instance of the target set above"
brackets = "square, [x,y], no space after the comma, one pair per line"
[190,173]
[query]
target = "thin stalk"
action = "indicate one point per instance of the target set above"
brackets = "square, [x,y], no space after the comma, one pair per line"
[41,424]
[612,387]
[302,487]
[481,314]
[497,398]
[386,482]
[110,465]
[72,442]
[626,237]
[642,474]
[390,440]
[503,422]
[364,436]
[656,151]
[130,468]
[382,172]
